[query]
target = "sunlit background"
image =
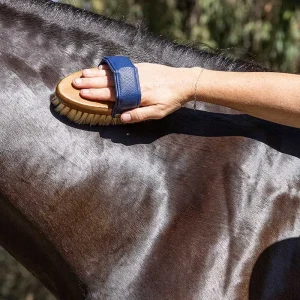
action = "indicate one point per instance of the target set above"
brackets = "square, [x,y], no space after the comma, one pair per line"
[267,31]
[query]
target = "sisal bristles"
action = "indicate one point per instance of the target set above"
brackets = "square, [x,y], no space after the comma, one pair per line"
[60,107]
[83,118]
[55,101]
[65,111]
[89,118]
[95,120]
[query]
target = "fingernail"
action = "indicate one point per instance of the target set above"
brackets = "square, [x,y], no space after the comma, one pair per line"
[85,91]
[87,72]
[100,67]
[78,81]
[126,117]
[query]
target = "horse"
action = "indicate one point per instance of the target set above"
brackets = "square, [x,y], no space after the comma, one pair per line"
[202,204]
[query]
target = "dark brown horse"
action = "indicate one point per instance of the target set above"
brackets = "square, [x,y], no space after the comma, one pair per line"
[200,205]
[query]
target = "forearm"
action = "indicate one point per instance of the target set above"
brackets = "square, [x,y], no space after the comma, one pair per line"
[270,96]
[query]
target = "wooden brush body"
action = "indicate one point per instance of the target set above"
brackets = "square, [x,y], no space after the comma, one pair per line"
[69,103]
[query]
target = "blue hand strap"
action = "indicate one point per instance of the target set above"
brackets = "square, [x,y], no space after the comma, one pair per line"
[127,84]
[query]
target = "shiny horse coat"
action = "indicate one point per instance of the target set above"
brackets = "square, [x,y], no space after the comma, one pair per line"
[202,204]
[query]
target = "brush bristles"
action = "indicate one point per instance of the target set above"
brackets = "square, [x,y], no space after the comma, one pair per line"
[79,117]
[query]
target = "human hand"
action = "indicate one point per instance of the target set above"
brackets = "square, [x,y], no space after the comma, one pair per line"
[164,89]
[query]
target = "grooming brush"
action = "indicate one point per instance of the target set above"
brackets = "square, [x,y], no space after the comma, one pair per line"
[69,103]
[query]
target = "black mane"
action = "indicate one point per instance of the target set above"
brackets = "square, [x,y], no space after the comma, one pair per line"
[109,36]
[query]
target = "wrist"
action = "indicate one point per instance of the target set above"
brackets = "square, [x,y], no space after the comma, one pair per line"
[195,78]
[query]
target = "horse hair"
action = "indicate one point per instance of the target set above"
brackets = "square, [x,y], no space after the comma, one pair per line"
[135,41]
[168,209]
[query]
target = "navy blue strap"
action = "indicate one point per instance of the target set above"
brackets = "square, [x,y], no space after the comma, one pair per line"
[128,92]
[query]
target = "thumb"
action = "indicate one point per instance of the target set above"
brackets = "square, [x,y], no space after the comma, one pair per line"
[141,114]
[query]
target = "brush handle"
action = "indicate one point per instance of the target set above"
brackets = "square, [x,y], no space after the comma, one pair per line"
[128,92]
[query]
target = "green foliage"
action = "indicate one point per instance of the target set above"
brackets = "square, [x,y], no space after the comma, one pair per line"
[268,30]
[16,283]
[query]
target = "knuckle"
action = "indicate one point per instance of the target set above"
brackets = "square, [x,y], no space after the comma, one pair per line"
[160,113]
[139,115]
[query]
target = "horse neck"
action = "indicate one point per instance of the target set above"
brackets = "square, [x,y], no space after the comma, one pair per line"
[89,209]
[84,42]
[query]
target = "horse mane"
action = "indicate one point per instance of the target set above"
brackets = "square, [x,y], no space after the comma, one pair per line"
[135,40]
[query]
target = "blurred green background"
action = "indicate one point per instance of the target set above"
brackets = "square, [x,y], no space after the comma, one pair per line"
[267,31]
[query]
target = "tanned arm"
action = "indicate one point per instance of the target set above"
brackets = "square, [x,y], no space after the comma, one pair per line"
[271,96]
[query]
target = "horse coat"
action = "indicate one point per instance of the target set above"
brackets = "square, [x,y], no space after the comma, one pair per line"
[202,204]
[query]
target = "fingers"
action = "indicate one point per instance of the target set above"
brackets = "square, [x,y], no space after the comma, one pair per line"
[93,83]
[105,94]
[96,84]
[104,67]
[96,72]
[95,78]
[142,114]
